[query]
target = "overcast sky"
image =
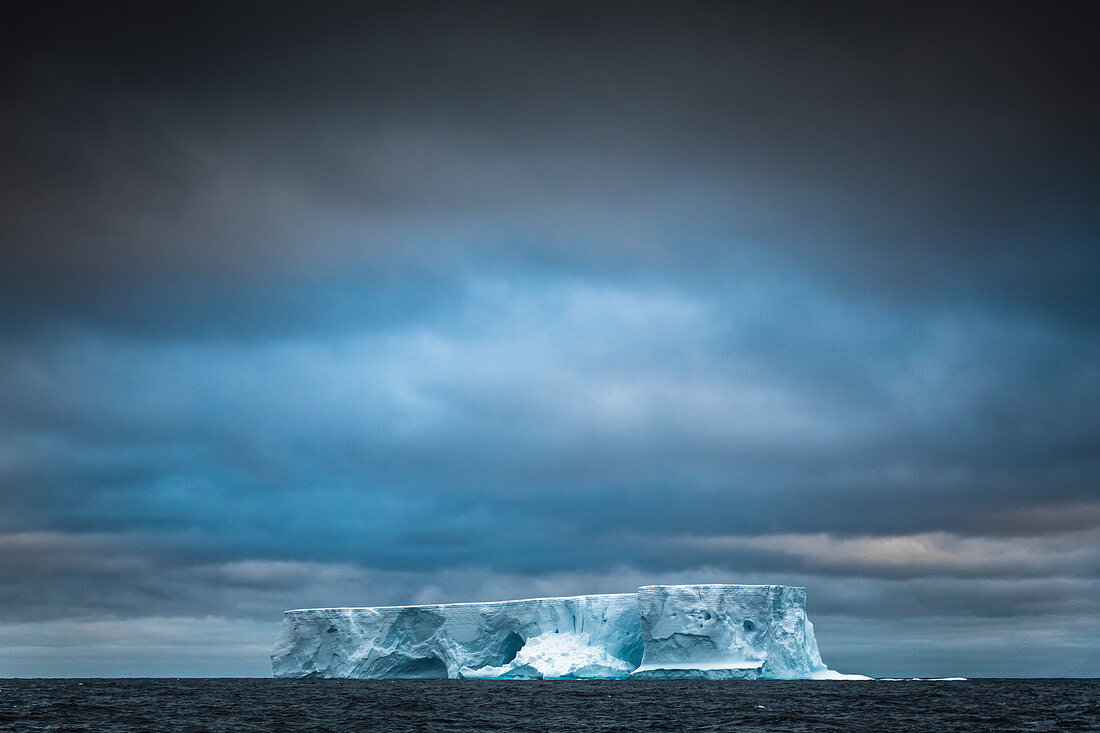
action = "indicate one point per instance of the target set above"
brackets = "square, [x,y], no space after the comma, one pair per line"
[325,306]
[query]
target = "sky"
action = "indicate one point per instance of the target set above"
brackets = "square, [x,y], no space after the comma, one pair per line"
[344,305]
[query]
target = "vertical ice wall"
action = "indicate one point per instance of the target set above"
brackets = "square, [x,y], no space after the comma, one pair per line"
[440,640]
[696,631]
[727,632]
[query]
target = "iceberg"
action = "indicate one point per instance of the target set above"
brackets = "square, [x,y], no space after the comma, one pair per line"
[659,632]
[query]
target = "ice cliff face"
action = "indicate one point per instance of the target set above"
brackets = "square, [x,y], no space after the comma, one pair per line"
[687,631]
[727,632]
[599,635]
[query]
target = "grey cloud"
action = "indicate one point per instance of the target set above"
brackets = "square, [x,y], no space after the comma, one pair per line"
[31,555]
[972,647]
[932,554]
[669,143]
[140,576]
[157,646]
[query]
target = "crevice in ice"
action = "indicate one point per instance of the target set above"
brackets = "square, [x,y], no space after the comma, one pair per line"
[509,648]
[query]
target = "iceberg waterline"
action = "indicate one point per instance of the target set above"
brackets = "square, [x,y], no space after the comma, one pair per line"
[659,632]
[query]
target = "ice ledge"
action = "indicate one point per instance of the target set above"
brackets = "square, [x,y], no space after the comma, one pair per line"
[659,632]
[464,604]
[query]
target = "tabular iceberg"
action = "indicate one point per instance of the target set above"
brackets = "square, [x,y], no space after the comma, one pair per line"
[659,632]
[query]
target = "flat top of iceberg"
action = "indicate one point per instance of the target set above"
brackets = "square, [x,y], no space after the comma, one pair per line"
[544,599]
[696,586]
[510,602]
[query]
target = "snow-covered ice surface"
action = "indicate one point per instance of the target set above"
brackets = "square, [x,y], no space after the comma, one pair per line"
[557,656]
[662,632]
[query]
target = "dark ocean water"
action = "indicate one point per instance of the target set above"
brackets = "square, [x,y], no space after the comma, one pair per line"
[469,705]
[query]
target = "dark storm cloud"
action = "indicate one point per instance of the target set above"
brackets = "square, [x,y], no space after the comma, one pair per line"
[437,303]
[236,144]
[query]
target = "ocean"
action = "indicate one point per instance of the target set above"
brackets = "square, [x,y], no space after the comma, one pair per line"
[198,705]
